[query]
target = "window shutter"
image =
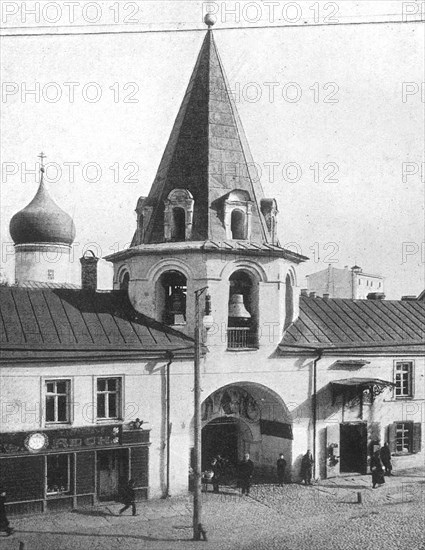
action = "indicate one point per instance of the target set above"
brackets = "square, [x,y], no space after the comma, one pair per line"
[416,447]
[392,437]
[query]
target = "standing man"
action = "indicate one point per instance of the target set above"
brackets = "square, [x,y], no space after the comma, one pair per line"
[281,466]
[307,468]
[386,459]
[246,469]
[4,522]
[129,498]
[216,469]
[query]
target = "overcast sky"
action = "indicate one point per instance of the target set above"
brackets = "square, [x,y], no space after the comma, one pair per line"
[322,107]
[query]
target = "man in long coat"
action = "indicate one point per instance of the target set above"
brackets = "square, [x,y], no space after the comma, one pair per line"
[307,468]
[281,467]
[386,459]
[245,471]
[377,469]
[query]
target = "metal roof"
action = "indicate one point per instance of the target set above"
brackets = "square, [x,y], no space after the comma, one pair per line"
[75,324]
[344,324]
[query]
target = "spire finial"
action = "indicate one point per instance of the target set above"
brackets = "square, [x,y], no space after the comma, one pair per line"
[210,20]
[42,156]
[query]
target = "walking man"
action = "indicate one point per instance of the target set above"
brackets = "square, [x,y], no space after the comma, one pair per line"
[246,469]
[129,498]
[386,459]
[281,466]
[4,522]
[307,468]
[377,470]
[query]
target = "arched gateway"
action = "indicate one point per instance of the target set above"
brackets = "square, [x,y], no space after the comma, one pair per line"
[246,417]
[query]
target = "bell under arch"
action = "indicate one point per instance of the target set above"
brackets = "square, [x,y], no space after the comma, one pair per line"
[246,417]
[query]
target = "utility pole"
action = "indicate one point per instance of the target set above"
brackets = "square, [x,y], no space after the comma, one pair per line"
[198,530]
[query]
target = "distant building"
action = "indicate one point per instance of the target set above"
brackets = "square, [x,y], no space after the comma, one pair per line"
[345,283]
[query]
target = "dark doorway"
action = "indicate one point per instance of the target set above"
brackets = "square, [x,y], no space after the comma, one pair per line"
[220,437]
[353,445]
[112,473]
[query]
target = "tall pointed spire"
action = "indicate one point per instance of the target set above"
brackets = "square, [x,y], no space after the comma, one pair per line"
[208,155]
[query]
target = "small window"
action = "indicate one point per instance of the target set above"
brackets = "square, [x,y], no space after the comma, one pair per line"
[125,281]
[108,398]
[178,231]
[57,401]
[58,474]
[404,379]
[238,225]
[51,274]
[360,281]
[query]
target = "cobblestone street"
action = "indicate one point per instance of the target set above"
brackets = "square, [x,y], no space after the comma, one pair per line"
[325,516]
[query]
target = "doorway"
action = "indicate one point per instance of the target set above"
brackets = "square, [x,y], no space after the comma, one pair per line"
[353,447]
[112,473]
[220,437]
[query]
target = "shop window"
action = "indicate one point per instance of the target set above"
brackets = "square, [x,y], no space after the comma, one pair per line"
[171,298]
[108,398]
[403,379]
[57,401]
[405,437]
[58,474]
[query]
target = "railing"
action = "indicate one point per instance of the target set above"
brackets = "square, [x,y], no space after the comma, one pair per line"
[241,338]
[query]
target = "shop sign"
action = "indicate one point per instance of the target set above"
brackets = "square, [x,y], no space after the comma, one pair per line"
[59,440]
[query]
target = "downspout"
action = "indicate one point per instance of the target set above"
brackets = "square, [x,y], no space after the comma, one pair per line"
[314,408]
[170,358]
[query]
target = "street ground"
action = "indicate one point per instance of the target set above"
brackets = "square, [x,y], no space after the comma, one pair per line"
[325,516]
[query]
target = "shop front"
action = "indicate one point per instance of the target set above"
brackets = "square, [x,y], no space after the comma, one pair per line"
[72,468]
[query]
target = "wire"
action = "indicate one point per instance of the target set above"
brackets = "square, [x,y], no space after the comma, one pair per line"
[218,29]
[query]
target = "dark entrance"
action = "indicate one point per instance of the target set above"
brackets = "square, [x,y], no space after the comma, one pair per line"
[220,437]
[112,473]
[353,447]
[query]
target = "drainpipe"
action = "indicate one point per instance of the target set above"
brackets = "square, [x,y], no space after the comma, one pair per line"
[170,358]
[314,407]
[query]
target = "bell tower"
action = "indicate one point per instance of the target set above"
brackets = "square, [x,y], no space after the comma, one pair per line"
[206,222]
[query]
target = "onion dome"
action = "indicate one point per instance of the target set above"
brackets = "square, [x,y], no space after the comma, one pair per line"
[42,221]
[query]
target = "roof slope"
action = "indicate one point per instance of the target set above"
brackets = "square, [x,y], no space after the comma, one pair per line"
[70,324]
[207,154]
[349,324]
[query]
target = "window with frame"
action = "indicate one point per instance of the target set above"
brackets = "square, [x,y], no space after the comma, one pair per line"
[51,274]
[58,401]
[58,474]
[405,437]
[403,379]
[108,398]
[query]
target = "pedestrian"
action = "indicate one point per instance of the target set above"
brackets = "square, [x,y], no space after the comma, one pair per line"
[129,498]
[281,466]
[377,469]
[386,459]
[4,522]
[307,468]
[215,467]
[245,471]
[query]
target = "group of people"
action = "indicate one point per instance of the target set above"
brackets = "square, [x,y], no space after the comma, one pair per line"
[216,473]
[245,470]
